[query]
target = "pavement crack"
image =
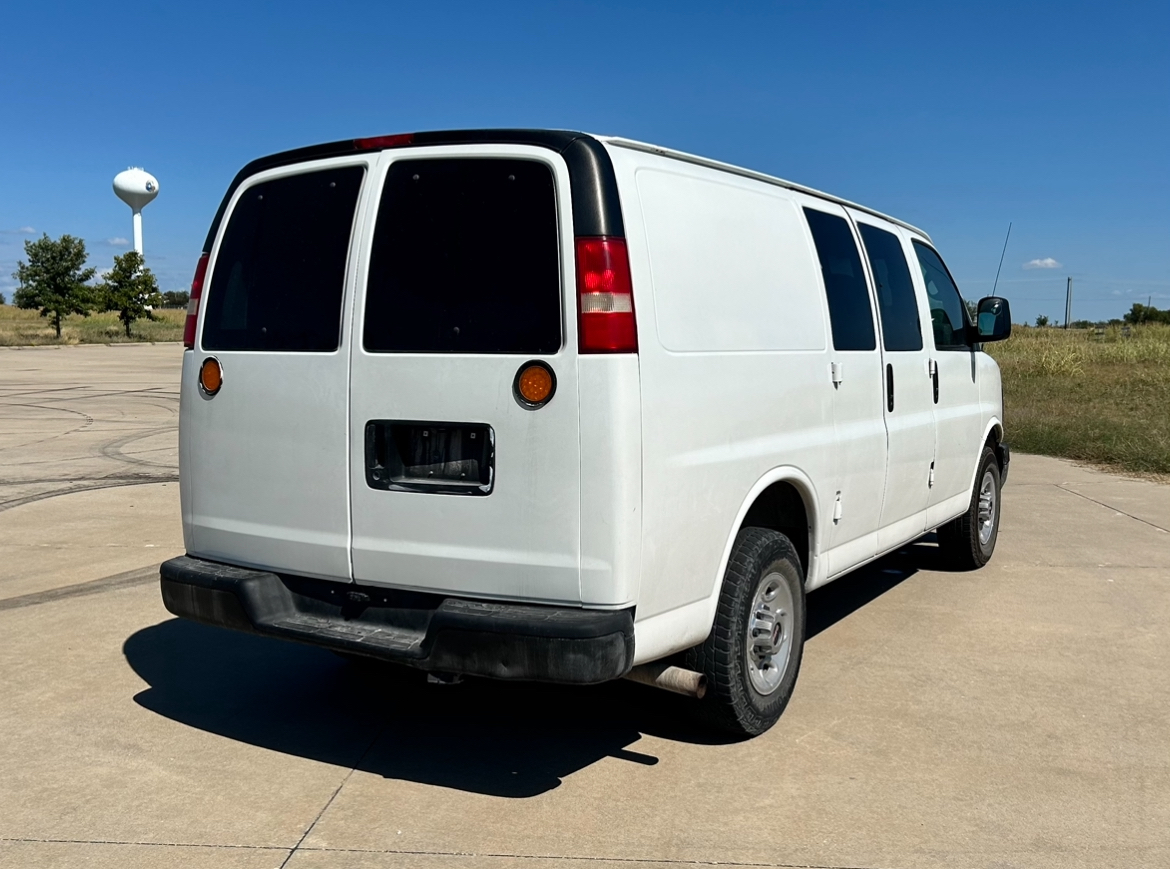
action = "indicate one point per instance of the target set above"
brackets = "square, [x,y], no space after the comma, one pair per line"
[38,841]
[643,861]
[1111,507]
[297,847]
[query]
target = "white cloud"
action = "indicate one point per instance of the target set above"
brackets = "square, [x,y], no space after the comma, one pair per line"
[24,230]
[118,241]
[1046,263]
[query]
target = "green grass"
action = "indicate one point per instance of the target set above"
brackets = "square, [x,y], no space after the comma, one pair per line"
[23,328]
[1098,398]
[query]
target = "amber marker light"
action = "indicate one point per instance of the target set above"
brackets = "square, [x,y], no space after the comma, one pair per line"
[534,385]
[210,376]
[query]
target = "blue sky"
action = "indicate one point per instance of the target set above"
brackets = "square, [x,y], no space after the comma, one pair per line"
[958,118]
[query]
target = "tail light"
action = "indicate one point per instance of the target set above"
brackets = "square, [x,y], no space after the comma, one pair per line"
[193,304]
[605,298]
[377,143]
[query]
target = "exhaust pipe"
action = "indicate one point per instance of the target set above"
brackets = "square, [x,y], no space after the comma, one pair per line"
[659,674]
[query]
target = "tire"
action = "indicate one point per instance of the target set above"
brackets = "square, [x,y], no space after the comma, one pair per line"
[748,688]
[966,543]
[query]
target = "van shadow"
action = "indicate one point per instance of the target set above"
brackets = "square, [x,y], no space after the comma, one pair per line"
[496,738]
[841,598]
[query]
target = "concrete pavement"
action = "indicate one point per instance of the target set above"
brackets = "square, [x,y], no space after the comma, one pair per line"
[1013,716]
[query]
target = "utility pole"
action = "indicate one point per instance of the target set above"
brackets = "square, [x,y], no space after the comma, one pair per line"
[1068,303]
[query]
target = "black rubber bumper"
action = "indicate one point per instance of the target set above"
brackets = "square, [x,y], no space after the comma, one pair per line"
[430,632]
[1003,452]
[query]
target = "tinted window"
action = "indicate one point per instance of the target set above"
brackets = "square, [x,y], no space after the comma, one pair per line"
[280,272]
[901,329]
[850,311]
[465,259]
[947,317]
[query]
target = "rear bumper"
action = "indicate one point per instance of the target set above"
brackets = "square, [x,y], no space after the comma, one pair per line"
[430,632]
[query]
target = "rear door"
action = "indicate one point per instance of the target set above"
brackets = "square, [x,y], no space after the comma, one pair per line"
[266,456]
[457,485]
[909,406]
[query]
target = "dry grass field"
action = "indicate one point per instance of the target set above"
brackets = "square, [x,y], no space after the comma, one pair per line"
[1097,397]
[21,327]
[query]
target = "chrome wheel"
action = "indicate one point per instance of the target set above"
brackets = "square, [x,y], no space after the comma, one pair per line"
[769,634]
[987,507]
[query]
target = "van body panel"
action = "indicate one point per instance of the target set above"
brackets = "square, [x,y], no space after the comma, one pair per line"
[269,447]
[684,626]
[523,540]
[611,479]
[715,419]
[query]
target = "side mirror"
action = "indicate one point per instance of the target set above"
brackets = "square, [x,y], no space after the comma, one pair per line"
[993,322]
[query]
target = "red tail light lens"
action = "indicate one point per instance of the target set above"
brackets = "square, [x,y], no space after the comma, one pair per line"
[193,305]
[605,298]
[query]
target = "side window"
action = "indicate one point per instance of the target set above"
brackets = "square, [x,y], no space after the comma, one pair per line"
[947,317]
[280,271]
[850,311]
[901,329]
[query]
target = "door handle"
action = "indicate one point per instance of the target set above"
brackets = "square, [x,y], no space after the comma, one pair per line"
[890,387]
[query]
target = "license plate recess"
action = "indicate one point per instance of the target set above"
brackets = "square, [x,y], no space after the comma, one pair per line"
[444,458]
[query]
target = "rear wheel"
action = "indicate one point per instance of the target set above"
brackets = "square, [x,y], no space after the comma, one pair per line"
[966,543]
[752,656]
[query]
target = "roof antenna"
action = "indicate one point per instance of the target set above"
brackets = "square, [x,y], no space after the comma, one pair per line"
[997,271]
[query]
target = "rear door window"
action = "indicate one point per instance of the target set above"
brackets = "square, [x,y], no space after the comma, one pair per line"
[947,317]
[280,272]
[901,327]
[850,311]
[465,259]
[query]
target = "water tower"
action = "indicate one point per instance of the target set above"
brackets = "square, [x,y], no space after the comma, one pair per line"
[137,188]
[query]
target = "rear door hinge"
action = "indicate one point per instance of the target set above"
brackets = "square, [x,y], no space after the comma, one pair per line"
[930,478]
[835,371]
[837,509]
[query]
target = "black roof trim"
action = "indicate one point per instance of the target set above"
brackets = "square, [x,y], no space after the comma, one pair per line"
[596,209]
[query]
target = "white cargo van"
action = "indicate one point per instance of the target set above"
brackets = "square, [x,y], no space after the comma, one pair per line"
[543,405]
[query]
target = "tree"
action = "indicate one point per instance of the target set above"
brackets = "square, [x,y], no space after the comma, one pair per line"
[1146,314]
[1042,320]
[54,279]
[128,288]
[175,298]
[3,301]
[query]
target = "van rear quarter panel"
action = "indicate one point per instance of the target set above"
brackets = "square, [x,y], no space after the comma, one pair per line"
[735,375]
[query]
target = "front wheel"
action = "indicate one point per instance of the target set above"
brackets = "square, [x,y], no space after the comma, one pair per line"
[752,656]
[967,542]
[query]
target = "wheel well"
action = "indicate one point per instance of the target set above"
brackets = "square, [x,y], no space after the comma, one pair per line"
[994,439]
[781,508]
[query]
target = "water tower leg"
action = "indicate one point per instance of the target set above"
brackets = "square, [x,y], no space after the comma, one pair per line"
[138,231]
